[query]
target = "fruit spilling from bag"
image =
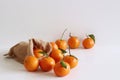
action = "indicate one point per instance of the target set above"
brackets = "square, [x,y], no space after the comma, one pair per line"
[37,54]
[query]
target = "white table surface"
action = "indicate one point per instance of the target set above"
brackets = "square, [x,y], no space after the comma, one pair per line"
[98,63]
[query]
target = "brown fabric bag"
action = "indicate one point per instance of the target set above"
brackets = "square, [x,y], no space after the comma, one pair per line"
[23,49]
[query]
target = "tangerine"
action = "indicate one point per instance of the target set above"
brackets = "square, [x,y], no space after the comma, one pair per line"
[62,69]
[57,55]
[46,64]
[31,63]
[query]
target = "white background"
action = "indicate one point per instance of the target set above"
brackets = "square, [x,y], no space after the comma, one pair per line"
[47,19]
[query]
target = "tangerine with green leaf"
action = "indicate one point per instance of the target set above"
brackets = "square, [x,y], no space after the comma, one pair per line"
[71,60]
[62,69]
[38,53]
[89,41]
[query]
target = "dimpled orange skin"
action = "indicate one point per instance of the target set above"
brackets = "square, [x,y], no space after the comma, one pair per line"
[72,61]
[46,64]
[56,55]
[31,63]
[54,45]
[62,44]
[73,42]
[60,71]
[37,53]
[88,43]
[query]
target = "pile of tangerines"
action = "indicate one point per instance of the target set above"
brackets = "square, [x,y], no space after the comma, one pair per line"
[57,61]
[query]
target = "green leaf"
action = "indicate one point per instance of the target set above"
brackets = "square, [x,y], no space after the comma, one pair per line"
[63,64]
[44,53]
[63,51]
[92,36]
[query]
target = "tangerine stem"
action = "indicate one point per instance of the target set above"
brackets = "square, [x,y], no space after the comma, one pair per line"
[63,33]
[69,34]
[87,36]
[69,50]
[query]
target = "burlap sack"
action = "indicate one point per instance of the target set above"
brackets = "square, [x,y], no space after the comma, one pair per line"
[23,49]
